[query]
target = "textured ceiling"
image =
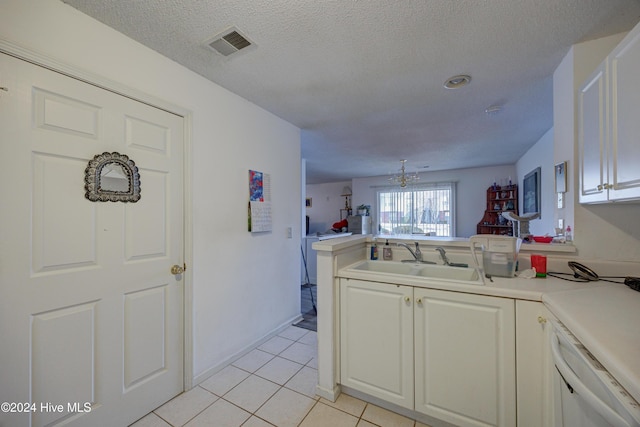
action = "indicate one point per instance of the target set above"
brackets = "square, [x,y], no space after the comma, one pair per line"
[363,78]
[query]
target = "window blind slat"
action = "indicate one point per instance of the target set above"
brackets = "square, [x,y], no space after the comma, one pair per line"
[427,208]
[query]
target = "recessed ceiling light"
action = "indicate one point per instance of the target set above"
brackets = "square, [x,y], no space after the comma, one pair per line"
[457,82]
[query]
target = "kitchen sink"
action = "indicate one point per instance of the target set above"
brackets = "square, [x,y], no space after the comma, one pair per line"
[390,267]
[448,272]
[417,270]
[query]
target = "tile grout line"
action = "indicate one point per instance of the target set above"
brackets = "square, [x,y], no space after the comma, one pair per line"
[315,398]
[254,413]
[190,419]
[307,414]
[280,386]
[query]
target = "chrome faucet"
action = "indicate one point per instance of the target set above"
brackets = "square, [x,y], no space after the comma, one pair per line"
[445,259]
[443,255]
[417,254]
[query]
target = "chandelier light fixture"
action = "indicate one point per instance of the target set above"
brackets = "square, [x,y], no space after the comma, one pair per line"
[404,178]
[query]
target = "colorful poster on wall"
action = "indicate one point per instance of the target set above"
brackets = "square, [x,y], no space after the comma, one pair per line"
[259,201]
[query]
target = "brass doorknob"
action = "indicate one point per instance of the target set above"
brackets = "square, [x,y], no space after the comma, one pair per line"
[176,269]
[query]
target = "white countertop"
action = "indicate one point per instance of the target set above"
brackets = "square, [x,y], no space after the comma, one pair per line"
[606,319]
[516,288]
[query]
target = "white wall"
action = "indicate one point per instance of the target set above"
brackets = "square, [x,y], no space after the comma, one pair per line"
[326,202]
[604,232]
[540,155]
[565,133]
[471,192]
[244,285]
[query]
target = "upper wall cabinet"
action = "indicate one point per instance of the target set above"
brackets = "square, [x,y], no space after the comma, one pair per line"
[609,127]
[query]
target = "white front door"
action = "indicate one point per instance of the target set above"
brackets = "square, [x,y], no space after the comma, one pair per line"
[91,317]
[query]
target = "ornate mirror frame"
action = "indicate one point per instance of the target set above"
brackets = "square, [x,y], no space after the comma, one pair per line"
[125,168]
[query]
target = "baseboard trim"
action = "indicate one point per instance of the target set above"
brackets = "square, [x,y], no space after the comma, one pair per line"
[328,394]
[252,346]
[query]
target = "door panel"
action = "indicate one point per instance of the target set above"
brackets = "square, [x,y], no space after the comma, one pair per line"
[146,135]
[52,249]
[62,359]
[592,136]
[59,113]
[144,347]
[89,311]
[145,224]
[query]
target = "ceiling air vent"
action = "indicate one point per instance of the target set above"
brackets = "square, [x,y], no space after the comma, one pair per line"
[228,42]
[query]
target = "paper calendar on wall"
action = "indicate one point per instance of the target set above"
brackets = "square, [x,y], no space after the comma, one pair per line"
[259,201]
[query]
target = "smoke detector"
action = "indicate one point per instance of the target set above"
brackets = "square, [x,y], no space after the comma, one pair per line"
[229,42]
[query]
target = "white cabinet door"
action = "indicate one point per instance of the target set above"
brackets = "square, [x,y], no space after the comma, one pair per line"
[465,358]
[592,136]
[534,365]
[624,147]
[376,340]
[608,127]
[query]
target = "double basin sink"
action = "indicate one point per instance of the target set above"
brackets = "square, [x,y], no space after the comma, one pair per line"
[417,270]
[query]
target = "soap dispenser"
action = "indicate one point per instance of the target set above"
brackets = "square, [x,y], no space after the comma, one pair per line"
[374,250]
[387,255]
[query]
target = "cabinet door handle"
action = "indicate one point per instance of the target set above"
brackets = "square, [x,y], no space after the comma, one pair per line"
[407,299]
[542,319]
[419,300]
[599,187]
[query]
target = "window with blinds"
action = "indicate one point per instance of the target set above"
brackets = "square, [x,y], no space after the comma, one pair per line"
[423,209]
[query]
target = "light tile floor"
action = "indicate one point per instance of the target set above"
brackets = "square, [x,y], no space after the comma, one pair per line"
[273,385]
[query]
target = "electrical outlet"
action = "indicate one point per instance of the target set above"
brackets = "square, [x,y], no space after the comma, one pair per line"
[561,223]
[289,232]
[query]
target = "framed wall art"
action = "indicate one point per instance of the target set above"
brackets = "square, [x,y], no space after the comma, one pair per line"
[561,177]
[531,192]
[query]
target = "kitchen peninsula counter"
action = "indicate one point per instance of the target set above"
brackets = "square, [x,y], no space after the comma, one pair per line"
[604,316]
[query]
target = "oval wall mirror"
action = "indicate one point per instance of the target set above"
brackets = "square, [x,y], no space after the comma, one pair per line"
[112,177]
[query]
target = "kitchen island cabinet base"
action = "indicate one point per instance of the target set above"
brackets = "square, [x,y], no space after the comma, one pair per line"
[447,355]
